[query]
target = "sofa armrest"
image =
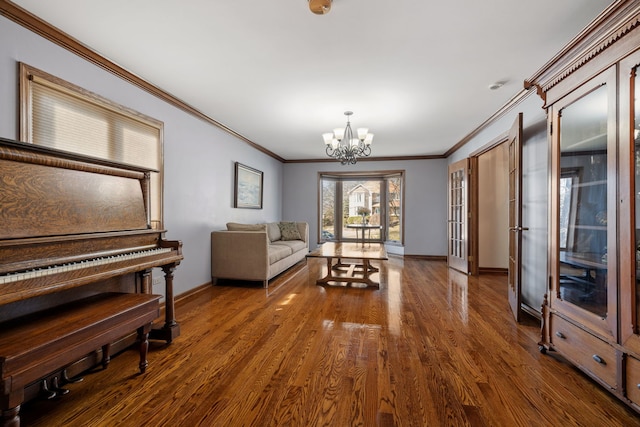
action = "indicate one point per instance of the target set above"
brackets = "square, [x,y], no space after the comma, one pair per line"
[303,229]
[239,255]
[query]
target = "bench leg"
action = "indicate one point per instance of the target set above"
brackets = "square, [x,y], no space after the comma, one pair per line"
[143,341]
[11,417]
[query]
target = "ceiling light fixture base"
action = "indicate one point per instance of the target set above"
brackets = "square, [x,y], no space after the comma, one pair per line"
[320,7]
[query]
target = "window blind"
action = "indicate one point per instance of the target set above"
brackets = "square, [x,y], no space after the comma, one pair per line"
[63,116]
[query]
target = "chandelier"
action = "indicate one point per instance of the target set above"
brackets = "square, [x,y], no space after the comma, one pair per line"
[343,146]
[320,7]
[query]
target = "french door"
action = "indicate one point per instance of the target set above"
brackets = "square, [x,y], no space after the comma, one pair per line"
[458,214]
[515,216]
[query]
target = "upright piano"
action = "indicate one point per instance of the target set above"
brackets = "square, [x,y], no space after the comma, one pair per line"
[72,229]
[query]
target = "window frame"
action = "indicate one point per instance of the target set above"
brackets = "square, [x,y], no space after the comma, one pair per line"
[30,75]
[340,177]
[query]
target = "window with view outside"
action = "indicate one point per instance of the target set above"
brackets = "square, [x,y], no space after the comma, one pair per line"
[327,210]
[394,202]
[357,207]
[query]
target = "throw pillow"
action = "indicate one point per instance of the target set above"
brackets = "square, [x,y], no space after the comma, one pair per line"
[234,226]
[273,230]
[289,231]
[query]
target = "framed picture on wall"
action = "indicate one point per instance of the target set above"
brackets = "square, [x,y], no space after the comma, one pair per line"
[248,187]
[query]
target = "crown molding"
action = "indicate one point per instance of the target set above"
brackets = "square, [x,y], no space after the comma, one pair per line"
[36,25]
[371,159]
[619,19]
[613,23]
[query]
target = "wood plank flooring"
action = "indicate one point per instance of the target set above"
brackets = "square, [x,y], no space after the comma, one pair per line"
[431,347]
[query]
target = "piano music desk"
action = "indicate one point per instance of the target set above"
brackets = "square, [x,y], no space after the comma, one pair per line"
[39,344]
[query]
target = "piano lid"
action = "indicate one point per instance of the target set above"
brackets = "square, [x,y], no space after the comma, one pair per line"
[45,192]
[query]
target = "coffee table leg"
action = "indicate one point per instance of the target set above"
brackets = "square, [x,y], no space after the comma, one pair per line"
[365,272]
[329,276]
[366,269]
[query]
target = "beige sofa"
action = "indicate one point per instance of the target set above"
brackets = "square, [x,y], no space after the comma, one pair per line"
[257,252]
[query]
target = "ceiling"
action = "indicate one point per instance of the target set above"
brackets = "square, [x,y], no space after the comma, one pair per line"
[416,73]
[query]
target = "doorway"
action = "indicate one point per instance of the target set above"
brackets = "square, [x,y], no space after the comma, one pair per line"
[493,209]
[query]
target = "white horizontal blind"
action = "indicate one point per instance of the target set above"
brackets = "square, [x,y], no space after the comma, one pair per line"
[68,118]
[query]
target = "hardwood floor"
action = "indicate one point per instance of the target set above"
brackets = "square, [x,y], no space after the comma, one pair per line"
[431,347]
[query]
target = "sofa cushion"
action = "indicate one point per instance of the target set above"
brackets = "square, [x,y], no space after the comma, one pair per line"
[278,252]
[273,230]
[289,231]
[234,226]
[294,245]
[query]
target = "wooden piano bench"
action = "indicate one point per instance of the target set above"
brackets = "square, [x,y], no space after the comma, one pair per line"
[37,345]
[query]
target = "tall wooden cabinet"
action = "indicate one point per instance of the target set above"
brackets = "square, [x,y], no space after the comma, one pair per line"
[591,314]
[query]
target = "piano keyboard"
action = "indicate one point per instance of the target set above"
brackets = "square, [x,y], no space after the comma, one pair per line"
[63,268]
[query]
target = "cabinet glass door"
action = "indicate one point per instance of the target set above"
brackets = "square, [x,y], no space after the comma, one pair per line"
[584,193]
[630,192]
[635,134]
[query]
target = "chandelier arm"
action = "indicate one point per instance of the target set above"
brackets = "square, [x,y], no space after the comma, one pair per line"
[330,151]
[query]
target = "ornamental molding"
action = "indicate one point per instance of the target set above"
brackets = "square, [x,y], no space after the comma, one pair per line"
[617,21]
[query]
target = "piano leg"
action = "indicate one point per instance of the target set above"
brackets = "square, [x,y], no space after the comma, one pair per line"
[171,328]
[146,281]
[11,417]
[143,341]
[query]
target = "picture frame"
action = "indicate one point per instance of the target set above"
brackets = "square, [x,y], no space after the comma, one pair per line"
[248,187]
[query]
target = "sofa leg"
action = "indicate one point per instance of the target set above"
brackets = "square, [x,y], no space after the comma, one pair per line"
[214,280]
[266,284]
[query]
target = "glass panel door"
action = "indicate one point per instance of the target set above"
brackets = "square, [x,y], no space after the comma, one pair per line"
[458,252]
[630,213]
[584,171]
[583,149]
[636,165]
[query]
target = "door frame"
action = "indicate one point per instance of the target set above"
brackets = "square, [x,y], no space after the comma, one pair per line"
[474,208]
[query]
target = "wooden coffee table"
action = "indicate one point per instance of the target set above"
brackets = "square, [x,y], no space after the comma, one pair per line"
[350,272]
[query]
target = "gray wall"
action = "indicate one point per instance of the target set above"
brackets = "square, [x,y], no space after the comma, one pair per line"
[425,201]
[535,166]
[198,157]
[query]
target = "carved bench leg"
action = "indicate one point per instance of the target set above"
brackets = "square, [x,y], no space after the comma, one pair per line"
[11,417]
[143,340]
